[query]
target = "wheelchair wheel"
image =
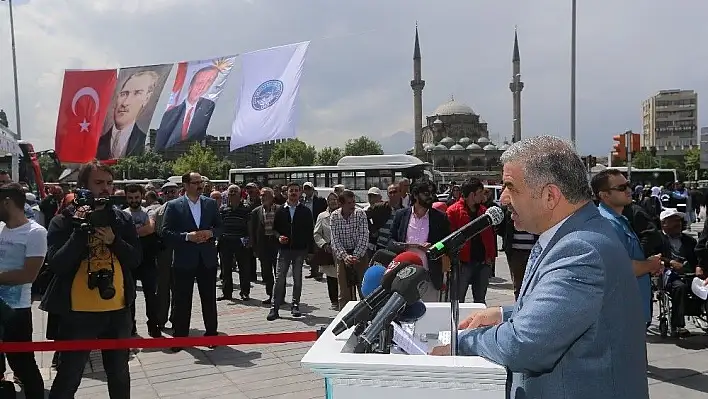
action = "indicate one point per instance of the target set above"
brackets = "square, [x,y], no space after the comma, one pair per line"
[663,327]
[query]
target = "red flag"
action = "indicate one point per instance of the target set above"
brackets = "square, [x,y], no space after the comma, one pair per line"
[85,99]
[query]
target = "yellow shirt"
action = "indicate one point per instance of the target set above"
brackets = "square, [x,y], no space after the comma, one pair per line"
[84,299]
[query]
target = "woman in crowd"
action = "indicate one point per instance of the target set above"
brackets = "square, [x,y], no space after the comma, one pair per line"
[323,254]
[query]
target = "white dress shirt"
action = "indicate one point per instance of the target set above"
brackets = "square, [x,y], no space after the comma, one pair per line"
[196,209]
[119,140]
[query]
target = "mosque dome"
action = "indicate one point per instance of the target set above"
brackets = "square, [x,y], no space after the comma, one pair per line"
[453,107]
[457,147]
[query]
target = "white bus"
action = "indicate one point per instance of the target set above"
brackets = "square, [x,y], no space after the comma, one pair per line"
[356,173]
[647,177]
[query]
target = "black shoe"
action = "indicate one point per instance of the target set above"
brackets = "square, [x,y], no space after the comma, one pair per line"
[211,334]
[267,301]
[295,310]
[176,349]
[272,315]
[245,297]
[154,331]
[225,298]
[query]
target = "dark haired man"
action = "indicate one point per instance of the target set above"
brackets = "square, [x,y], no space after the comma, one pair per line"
[477,254]
[613,191]
[23,245]
[86,262]
[294,228]
[350,236]
[418,227]
[147,271]
[191,226]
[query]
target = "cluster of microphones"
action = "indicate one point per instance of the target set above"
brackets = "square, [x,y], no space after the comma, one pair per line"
[393,293]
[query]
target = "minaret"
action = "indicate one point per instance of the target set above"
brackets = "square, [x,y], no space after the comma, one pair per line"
[516,86]
[417,85]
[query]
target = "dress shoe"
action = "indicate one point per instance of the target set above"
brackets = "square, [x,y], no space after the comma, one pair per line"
[272,315]
[245,297]
[295,310]
[225,298]
[211,334]
[154,331]
[267,301]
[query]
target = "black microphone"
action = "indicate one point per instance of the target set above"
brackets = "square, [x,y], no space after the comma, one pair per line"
[405,290]
[457,238]
[368,306]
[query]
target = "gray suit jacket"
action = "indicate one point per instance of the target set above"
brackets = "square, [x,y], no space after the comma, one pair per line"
[577,329]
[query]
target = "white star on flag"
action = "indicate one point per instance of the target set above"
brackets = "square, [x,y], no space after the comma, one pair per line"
[84,125]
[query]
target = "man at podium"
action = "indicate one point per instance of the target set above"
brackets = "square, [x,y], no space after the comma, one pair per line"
[577,329]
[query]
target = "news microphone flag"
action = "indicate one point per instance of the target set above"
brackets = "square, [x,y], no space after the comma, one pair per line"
[269,89]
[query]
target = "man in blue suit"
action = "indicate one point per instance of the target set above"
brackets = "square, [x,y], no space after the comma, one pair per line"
[577,329]
[191,226]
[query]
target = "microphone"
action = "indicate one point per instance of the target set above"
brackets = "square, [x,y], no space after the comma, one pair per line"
[382,257]
[405,289]
[413,312]
[375,297]
[492,217]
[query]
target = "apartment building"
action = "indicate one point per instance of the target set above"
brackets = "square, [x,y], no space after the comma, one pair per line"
[670,120]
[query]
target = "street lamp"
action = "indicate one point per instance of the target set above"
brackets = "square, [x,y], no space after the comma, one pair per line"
[14,72]
[572,71]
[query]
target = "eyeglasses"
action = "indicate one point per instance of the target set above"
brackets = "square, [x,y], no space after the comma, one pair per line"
[620,188]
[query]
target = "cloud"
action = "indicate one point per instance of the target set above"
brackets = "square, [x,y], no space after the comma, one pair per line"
[359,67]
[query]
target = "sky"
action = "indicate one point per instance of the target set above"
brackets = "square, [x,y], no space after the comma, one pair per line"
[357,75]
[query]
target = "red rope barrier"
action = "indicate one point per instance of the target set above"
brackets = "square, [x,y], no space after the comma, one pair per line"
[135,343]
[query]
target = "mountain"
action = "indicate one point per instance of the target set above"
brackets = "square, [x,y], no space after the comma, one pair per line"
[397,143]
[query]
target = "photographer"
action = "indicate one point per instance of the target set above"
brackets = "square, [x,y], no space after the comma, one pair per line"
[93,248]
[23,246]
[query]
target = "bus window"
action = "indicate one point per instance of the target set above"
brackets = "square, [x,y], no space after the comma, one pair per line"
[333,179]
[348,180]
[360,181]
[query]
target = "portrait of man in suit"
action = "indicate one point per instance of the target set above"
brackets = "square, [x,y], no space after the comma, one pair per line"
[189,119]
[125,138]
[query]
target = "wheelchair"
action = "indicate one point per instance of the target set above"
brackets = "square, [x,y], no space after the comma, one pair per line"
[696,309]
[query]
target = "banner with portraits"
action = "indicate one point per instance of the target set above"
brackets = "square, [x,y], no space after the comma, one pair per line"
[197,87]
[131,110]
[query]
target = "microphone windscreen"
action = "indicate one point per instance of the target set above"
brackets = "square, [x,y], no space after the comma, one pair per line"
[382,257]
[408,282]
[372,279]
[409,257]
[413,312]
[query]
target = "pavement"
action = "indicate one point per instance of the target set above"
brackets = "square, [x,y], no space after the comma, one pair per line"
[677,368]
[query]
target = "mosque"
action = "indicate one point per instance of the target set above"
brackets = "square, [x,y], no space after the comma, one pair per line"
[455,140]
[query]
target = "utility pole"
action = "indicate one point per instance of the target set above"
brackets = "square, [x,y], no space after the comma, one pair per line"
[572,72]
[14,71]
[628,142]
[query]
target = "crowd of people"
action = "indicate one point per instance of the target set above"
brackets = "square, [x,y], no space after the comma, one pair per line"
[83,253]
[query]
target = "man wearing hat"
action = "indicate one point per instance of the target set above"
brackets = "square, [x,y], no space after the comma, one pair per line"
[679,258]
[164,258]
[316,205]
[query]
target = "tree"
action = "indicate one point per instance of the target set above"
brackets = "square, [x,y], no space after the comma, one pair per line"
[363,146]
[643,160]
[50,169]
[691,162]
[149,165]
[201,160]
[329,156]
[292,153]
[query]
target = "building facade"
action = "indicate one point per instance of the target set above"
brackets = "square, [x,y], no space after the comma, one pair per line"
[670,120]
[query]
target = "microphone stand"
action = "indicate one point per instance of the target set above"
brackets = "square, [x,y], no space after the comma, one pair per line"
[453,287]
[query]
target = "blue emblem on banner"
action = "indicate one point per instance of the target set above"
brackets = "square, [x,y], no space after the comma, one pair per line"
[267,94]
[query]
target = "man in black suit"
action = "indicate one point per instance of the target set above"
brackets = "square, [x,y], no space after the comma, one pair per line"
[418,227]
[191,226]
[189,120]
[125,138]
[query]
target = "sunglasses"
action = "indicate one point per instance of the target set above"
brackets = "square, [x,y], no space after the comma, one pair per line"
[620,188]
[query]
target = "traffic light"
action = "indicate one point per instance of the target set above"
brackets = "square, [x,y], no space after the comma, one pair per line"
[635,145]
[620,149]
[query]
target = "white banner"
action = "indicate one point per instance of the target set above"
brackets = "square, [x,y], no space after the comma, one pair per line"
[269,89]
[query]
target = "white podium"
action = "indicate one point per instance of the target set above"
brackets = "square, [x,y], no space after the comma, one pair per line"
[378,376]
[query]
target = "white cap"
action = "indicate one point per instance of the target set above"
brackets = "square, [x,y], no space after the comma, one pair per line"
[30,197]
[374,190]
[669,212]
[308,184]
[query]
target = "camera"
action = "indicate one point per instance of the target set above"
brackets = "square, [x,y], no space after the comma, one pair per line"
[103,280]
[94,218]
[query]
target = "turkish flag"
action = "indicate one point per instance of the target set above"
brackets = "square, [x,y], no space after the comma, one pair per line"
[85,99]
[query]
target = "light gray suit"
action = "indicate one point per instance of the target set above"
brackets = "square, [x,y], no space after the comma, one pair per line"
[577,329]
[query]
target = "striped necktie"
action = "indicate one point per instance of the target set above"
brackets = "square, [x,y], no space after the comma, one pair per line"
[533,256]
